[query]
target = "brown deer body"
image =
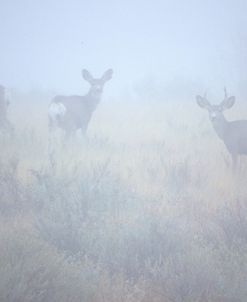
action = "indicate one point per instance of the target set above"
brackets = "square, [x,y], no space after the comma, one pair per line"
[72,113]
[233,133]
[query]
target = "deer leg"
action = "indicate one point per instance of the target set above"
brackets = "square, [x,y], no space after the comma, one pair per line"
[234,162]
[9,128]
[50,125]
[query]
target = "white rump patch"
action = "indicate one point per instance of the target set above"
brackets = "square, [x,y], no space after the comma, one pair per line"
[56,110]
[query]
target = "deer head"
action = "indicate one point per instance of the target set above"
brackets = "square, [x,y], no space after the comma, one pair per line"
[97,85]
[216,111]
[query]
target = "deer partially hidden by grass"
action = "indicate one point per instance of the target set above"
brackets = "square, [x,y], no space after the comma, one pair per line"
[72,113]
[5,125]
[233,133]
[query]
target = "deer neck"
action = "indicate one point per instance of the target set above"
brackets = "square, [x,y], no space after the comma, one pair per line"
[220,126]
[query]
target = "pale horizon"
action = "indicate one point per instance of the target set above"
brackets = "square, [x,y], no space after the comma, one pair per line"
[45,45]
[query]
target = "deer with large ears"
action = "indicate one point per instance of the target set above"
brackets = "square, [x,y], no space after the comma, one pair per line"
[233,133]
[74,112]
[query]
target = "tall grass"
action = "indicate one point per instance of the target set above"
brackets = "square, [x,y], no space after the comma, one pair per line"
[145,209]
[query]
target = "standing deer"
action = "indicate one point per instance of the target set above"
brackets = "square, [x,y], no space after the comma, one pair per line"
[72,113]
[233,133]
[5,125]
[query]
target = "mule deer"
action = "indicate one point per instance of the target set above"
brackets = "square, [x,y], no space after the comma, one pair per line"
[74,112]
[5,125]
[233,133]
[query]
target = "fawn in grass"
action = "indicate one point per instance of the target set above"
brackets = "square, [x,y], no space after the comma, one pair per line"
[233,133]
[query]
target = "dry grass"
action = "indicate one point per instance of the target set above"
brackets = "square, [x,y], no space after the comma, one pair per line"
[145,209]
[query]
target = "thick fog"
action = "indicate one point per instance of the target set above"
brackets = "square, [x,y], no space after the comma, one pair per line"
[199,44]
[123,151]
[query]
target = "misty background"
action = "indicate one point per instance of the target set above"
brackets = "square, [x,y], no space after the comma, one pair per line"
[178,48]
[145,205]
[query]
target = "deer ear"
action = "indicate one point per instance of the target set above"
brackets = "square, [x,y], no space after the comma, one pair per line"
[86,75]
[107,75]
[202,102]
[228,103]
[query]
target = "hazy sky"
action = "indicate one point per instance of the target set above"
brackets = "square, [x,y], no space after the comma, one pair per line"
[45,44]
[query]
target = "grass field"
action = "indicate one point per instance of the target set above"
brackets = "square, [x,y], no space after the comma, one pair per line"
[146,208]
